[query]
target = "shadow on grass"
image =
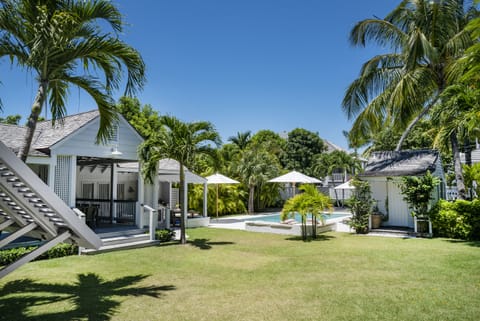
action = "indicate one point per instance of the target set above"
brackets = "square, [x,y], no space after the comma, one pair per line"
[319,238]
[469,243]
[205,244]
[89,298]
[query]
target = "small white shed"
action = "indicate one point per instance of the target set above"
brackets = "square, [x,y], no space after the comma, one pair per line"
[384,171]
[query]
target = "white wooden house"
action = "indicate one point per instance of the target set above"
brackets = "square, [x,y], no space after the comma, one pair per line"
[82,172]
[384,171]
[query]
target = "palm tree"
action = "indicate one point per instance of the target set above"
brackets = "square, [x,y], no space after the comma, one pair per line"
[457,116]
[399,88]
[241,140]
[312,202]
[63,44]
[182,142]
[254,168]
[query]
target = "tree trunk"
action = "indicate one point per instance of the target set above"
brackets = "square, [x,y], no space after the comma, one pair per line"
[457,166]
[32,120]
[183,238]
[414,122]
[251,199]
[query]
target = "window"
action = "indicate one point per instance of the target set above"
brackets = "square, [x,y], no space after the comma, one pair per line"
[120,191]
[87,190]
[104,191]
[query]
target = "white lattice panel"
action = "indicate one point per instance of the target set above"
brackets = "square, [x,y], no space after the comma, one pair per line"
[63,178]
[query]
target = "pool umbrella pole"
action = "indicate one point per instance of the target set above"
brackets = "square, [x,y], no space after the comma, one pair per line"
[219,179]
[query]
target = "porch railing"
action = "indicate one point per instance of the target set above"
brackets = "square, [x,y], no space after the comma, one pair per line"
[125,210]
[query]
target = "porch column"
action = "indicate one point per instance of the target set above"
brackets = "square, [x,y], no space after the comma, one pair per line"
[205,199]
[51,171]
[113,192]
[141,198]
[169,205]
[155,196]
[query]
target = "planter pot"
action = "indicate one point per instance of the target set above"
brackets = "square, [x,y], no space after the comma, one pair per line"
[376,220]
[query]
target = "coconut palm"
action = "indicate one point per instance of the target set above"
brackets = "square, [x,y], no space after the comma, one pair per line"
[242,140]
[62,42]
[400,87]
[182,142]
[254,168]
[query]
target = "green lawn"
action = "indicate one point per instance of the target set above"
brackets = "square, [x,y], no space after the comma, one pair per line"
[236,275]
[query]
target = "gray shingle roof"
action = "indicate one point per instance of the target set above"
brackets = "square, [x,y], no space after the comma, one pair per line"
[45,135]
[401,163]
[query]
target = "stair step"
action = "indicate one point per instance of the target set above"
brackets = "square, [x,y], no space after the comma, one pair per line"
[116,247]
[125,239]
[109,234]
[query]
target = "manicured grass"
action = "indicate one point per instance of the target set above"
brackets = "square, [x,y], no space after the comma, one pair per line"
[236,275]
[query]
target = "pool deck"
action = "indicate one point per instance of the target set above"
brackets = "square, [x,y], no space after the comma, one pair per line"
[237,222]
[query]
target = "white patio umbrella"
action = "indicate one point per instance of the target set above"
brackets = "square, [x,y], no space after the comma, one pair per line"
[219,179]
[294,177]
[346,185]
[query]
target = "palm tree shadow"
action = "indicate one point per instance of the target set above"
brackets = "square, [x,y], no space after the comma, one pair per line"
[319,238]
[206,244]
[90,297]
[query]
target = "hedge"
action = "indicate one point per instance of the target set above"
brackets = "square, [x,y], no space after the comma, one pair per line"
[11,255]
[459,219]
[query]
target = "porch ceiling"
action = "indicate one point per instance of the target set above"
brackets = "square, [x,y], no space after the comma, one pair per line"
[96,162]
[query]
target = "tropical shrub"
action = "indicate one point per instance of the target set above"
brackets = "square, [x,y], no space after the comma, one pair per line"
[60,250]
[310,202]
[361,206]
[164,235]
[459,219]
[417,192]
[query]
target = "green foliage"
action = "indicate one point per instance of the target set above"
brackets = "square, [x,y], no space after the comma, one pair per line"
[300,150]
[459,219]
[324,164]
[9,256]
[11,119]
[164,235]
[269,141]
[231,199]
[417,192]
[310,202]
[361,206]
[70,43]
[470,174]
[183,142]
[143,118]
[254,169]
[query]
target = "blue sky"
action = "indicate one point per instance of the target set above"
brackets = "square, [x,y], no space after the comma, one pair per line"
[240,64]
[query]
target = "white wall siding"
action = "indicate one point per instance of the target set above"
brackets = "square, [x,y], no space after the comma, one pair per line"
[82,142]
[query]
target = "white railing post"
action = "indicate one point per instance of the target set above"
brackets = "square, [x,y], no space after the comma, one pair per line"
[151,221]
[83,218]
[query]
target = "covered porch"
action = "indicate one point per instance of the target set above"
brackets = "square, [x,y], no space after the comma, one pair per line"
[165,195]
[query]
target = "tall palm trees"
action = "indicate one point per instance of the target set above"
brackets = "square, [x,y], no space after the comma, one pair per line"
[62,42]
[182,142]
[399,88]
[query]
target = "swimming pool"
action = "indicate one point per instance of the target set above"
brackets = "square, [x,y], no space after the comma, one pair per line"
[275,217]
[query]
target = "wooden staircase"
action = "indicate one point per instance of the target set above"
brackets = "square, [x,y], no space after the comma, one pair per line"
[28,207]
[121,240]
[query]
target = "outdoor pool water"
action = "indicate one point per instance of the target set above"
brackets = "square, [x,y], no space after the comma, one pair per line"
[276,217]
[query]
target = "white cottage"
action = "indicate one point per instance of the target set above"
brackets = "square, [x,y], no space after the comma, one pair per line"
[81,172]
[384,171]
